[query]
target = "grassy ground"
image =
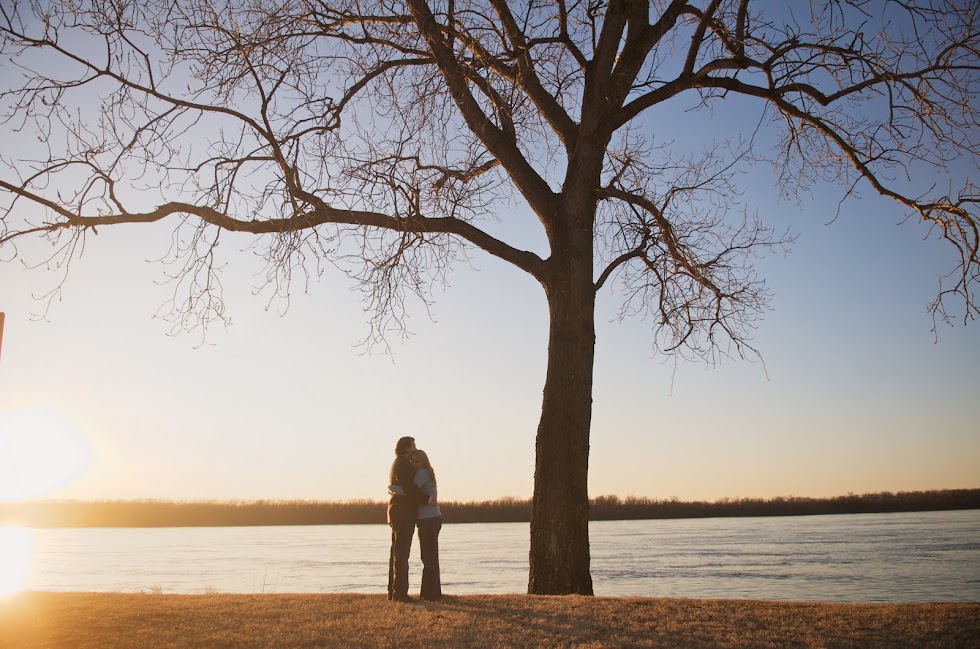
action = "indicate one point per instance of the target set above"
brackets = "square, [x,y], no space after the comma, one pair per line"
[79,620]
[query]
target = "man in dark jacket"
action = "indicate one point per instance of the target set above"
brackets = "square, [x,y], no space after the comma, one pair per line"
[402,515]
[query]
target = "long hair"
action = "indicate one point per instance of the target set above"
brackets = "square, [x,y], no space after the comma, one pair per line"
[424,459]
[401,446]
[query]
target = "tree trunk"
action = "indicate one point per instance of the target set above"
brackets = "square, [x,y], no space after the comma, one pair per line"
[559,558]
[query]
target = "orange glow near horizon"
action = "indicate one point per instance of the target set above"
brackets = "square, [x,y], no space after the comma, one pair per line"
[41,451]
[16,553]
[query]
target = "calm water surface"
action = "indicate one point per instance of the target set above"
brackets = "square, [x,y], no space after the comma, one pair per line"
[918,557]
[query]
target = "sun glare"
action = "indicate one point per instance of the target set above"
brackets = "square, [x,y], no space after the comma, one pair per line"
[41,451]
[15,558]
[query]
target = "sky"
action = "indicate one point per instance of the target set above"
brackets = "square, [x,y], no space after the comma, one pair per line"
[854,392]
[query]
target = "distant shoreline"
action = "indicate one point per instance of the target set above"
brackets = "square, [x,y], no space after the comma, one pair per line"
[165,513]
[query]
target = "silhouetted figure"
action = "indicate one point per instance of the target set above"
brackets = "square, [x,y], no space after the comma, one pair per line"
[405,497]
[429,524]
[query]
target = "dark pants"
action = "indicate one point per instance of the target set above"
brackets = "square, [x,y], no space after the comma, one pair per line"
[429,545]
[401,547]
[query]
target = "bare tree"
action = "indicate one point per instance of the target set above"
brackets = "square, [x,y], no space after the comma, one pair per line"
[378,135]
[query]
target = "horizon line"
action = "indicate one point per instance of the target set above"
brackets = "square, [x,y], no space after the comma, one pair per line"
[668,499]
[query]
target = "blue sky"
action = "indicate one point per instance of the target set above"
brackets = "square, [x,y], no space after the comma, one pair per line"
[855,393]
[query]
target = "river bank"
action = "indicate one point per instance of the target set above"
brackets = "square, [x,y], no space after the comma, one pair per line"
[80,620]
[168,513]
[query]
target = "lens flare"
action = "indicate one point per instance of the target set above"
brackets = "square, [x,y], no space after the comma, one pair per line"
[41,451]
[16,553]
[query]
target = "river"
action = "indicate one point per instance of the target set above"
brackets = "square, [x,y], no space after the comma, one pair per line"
[906,557]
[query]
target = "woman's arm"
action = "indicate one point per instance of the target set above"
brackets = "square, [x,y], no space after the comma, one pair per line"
[405,478]
[424,482]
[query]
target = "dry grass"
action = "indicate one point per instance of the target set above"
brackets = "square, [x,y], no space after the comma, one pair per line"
[79,620]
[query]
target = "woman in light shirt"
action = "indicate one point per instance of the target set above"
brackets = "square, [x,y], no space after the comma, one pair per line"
[429,525]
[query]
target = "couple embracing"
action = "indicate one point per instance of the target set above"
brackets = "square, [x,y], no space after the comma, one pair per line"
[413,501]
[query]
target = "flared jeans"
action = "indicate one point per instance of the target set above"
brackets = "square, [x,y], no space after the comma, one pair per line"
[429,545]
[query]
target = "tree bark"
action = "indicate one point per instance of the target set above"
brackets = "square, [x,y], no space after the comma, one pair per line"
[559,557]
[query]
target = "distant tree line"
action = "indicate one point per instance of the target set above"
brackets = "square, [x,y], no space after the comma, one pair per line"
[614,508]
[166,513]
